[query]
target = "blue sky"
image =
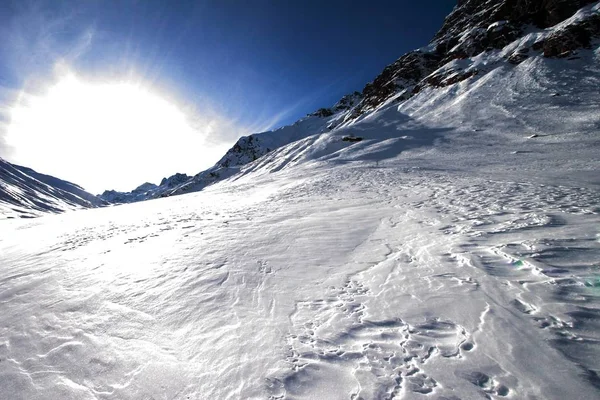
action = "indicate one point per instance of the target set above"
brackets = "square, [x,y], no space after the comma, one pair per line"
[258,64]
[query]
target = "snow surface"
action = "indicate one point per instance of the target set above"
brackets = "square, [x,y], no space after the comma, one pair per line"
[453,253]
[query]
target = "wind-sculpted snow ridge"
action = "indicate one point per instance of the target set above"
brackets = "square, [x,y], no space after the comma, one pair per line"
[26,193]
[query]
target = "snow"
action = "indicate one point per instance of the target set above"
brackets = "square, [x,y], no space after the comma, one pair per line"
[449,254]
[497,26]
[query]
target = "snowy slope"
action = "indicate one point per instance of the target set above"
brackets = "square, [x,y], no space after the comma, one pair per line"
[27,193]
[452,253]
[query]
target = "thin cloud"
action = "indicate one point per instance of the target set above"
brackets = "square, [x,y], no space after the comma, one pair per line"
[34,38]
[302,104]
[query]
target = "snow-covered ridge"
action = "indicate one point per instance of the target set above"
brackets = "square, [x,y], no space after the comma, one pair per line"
[27,193]
[479,27]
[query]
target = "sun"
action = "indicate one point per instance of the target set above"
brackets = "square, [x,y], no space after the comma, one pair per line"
[91,131]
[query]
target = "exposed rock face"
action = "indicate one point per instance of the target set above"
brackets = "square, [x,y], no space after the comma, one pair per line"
[247,149]
[174,180]
[542,13]
[401,75]
[478,14]
[145,191]
[346,103]
[518,56]
[144,187]
[323,113]
[571,38]
[444,78]
[473,27]
[114,197]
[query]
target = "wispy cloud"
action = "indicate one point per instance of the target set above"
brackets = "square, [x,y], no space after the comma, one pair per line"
[313,98]
[35,37]
[7,97]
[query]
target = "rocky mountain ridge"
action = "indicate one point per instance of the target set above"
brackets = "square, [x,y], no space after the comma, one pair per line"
[475,27]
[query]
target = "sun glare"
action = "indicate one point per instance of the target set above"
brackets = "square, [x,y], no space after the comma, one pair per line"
[117,132]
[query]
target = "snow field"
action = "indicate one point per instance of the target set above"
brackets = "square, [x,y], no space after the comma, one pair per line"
[355,283]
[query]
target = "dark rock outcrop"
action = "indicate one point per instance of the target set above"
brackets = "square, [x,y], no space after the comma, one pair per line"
[473,27]
[563,42]
[322,113]
[145,191]
[345,103]
[245,150]
[518,56]
[403,74]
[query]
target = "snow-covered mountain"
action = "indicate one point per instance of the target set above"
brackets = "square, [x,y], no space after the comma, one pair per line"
[27,193]
[244,151]
[438,240]
[477,40]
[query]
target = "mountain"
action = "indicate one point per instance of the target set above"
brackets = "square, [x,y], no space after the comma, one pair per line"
[436,239]
[145,191]
[27,193]
[478,40]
